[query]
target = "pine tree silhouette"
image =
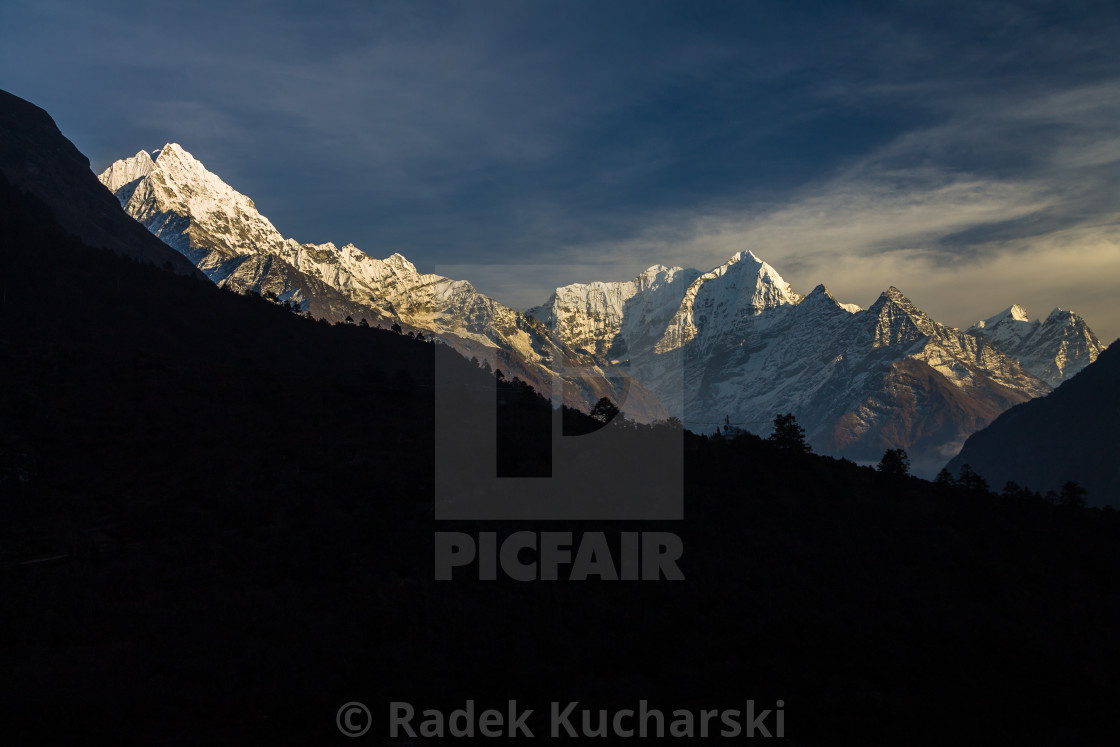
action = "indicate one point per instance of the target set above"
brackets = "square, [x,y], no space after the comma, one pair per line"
[604,410]
[894,462]
[788,435]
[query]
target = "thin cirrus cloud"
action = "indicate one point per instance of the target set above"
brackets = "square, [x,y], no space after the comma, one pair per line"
[964,153]
[964,245]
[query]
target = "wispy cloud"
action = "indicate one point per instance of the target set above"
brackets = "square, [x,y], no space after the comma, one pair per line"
[958,154]
[1043,233]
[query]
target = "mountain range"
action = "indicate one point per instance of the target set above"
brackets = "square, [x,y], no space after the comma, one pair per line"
[730,348]
[193,211]
[859,380]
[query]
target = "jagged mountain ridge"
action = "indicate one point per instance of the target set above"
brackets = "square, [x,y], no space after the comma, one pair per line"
[736,343]
[860,381]
[608,317]
[1054,349]
[192,210]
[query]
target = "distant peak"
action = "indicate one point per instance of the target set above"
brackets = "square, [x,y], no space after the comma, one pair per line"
[174,151]
[895,294]
[821,292]
[653,272]
[1060,313]
[1014,314]
[744,256]
[749,262]
[127,171]
[398,260]
[822,295]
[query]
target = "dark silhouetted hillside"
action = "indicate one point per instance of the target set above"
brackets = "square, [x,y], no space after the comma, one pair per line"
[1070,434]
[216,527]
[35,156]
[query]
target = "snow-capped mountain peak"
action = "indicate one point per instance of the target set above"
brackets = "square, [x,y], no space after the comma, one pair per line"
[395,260]
[655,273]
[822,295]
[748,262]
[220,229]
[611,317]
[189,207]
[893,295]
[1013,313]
[719,302]
[1053,349]
[128,170]
[898,321]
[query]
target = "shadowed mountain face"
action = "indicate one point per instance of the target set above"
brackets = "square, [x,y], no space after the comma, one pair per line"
[1070,434]
[36,157]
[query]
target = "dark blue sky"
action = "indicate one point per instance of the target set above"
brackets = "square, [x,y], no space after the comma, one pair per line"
[966,153]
